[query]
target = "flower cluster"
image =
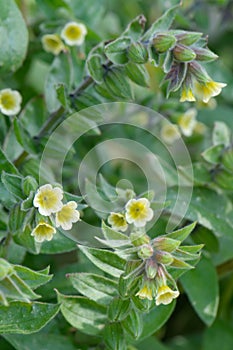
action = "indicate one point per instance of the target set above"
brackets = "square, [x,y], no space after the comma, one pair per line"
[10,102]
[48,200]
[73,34]
[137,212]
[157,258]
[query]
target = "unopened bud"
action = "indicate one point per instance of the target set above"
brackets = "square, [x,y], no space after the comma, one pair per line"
[183,53]
[188,38]
[164,42]
[139,238]
[163,257]
[198,71]
[151,268]
[29,184]
[145,251]
[138,53]
[204,55]
[166,243]
[227,158]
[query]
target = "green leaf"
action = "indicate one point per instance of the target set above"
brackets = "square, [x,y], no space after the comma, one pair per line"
[16,219]
[118,309]
[59,244]
[118,84]
[221,134]
[133,324]
[6,165]
[106,261]
[95,287]
[95,68]
[62,95]
[25,239]
[14,36]
[218,336]
[13,184]
[35,316]
[137,73]
[29,184]
[182,233]
[23,137]
[135,28]
[40,341]
[33,279]
[213,154]
[203,297]
[116,51]
[155,319]
[161,24]
[113,337]
[82,313]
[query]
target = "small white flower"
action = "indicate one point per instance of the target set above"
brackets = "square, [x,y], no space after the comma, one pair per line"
[169,133]
[10,102]
[67,215]
[187,122]
[48,200]
[43,232]
[52,43]
[118,222]
[74,33]
[165,295]
[138,212]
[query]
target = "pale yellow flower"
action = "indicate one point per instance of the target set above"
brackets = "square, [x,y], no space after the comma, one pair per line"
[43,232]
[10,102]
[52,43]
[165,295]
[187,94]
[67,215]
[145,293]
[138,212]
[118,222]
[208,89]
[169,133]
[48,200]
[74,33]
[187,121]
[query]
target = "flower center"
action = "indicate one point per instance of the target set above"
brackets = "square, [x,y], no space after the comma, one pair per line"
[8,101]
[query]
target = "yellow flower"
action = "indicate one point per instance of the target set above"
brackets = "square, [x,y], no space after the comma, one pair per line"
[169,133]
[187,121]
[48,200]
[74,33]
[145,293]
[52,43]
[118,222]
[208,89]
[187,94]
[43,232]
[138,212]
[10,101]
[165,295]
[67,215]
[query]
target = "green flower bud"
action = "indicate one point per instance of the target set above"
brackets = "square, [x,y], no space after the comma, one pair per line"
[183,53]
[151,268]
[164,258]
[204,54]
[165,243]
[145,251]
[227,158]
[198,71]
[139,238]
[164,42]
[29,184]
[188,38]
[138,53]
[117,83]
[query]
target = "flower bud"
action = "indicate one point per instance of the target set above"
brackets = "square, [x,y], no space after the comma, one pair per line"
[204,54]
[164,258]
[138,53]
[183,53]
[227,158]
[164,42]
[29,184]
[145,251]
[188,38]
[139,238]
[151,268]
[198,71]
[166,243]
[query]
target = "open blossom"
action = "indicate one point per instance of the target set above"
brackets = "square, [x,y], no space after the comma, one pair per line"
[48,200]
[165,295]
[206,90]
[138,212]
[187,122]
[52,43]
[10,102]
[118,222]
[43,232]
[148,290]
[187,94]
[74,33]
[169,133]
[67,215]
